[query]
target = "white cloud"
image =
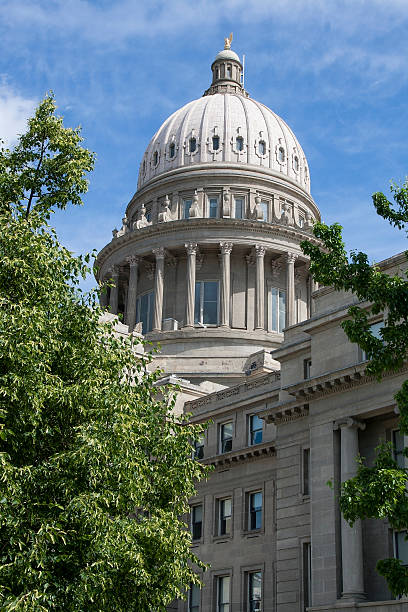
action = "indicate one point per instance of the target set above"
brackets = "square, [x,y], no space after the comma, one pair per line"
[14,112]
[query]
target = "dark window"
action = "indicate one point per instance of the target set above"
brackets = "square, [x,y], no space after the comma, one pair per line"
[296,163]
[194,598]
[226,437]
[281,154]
[255,429]
[229,72]
[216,143]
[239,208]
[401,546]
[144,166]
[186,208]
[144,311]
[196,522]
[307,575]
[199,448]
[225,512]
[254,592]
[306,471]
[172,149]
[240,143]
[206,303]
[213,207]
[255,510]
[155,158]
[262,147]
[193,145]
[307,367]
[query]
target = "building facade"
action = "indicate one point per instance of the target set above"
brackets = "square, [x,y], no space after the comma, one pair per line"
[208,264]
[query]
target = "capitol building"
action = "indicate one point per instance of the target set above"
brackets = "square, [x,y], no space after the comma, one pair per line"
[207,263]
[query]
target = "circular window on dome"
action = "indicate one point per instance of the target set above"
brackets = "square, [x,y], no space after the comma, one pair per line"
[193,145]
[239,143]
[281,155]
[296,163]
[172,150]
[155,158]
[262,147]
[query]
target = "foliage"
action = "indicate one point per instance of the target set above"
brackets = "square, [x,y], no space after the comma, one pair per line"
[379,491]
[95,469]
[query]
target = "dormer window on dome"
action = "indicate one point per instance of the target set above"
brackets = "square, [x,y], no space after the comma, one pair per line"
[215,143]
[192,145]
[262,147]
[239,143]
[155,158]
[281,154]
[172,150]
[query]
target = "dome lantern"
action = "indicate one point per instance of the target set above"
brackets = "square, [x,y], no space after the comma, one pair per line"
[227,72]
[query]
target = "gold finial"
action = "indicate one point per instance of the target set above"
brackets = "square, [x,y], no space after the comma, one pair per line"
[227,42]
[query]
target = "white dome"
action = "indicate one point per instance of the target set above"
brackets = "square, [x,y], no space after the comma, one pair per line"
[186,138]
[227,54]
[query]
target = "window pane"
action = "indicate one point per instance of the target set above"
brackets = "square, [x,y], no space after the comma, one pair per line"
[401,546]
[194,605]
[210,313]
[255,509]
[224,593]
[199,448]
[255,591]
[239,208]
[213,207]
[240,143]
[215,143]
[172,149]
[197,303]
[225,516]
[256,427]
[210,291]
[186,208]
[226,437]
[196,522]
[264,206]
[262,147]
[282,310]
[193,145]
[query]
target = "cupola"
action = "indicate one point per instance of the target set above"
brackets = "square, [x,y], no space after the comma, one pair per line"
[227,72]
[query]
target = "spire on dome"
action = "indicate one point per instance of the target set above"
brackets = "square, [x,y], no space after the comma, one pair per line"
[227,71]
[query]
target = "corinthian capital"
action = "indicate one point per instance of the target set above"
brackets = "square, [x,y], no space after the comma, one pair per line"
[158,252]
[260,250]
[133,260]
[114,270]
[291,257]
[191,248]
[226,247]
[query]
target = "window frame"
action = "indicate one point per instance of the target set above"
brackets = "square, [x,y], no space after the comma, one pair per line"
[217,207]
[200,319]
[221,528]
[251,430]
[248,576]
[220,606]
[277,296]
[242,199]
[215,137]
[305,462]
[250,495]
[150,309]
[197,446]
[239,148]
[192,608]
[221,450]
[172,149]
[198,504]
[192,140]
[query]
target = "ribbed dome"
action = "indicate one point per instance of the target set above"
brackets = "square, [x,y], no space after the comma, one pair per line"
[246,132]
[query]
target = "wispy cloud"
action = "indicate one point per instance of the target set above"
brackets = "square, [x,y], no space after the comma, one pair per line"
[14,112]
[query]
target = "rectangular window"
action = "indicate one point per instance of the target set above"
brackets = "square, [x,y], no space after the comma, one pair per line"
[239,208]
[255,511]
[255,429]
[226,437]
[196,522]
[307,367]
[186,208]
[223,594]
[198,448]
[194,598]
[144,311]
[213,208]
[307,574]
[375,329]
[306,471]
[401,546]
[399,441]
[265,211]
[254,592]
[277,309]
[224,516]
[206,303]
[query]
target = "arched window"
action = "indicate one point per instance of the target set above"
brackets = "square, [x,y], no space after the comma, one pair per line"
[240,143]
[172,149]
[193,145]
[215,143]
[281,154]
[296,163]
[155,158]
[262,147]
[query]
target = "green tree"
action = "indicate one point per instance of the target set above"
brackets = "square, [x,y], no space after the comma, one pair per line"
[95,470]
[378,491]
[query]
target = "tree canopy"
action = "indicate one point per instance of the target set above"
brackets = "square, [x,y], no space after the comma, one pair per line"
[96,470]
[378,491]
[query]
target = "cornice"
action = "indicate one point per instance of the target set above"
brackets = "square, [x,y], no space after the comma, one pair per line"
[255,228]
[233,458]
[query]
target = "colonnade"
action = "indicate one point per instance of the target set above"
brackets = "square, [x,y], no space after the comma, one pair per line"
[256,258]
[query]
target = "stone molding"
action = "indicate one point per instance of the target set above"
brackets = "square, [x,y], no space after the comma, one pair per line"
[250,453]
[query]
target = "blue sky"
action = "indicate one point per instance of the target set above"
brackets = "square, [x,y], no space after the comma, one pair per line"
[336,71]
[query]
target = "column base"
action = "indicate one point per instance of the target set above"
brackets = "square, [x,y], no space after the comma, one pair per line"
[351,598]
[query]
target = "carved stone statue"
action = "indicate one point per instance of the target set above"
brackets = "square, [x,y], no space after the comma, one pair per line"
[228,41]
[165,214]
[226,205]
[142,221]
[258,212]
[194,210]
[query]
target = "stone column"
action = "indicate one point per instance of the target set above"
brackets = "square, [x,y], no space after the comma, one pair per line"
[191,274]
[351,537]
[158,289]
[114,291]
[132,291]
[260,287]
[226,248]
[290,289]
